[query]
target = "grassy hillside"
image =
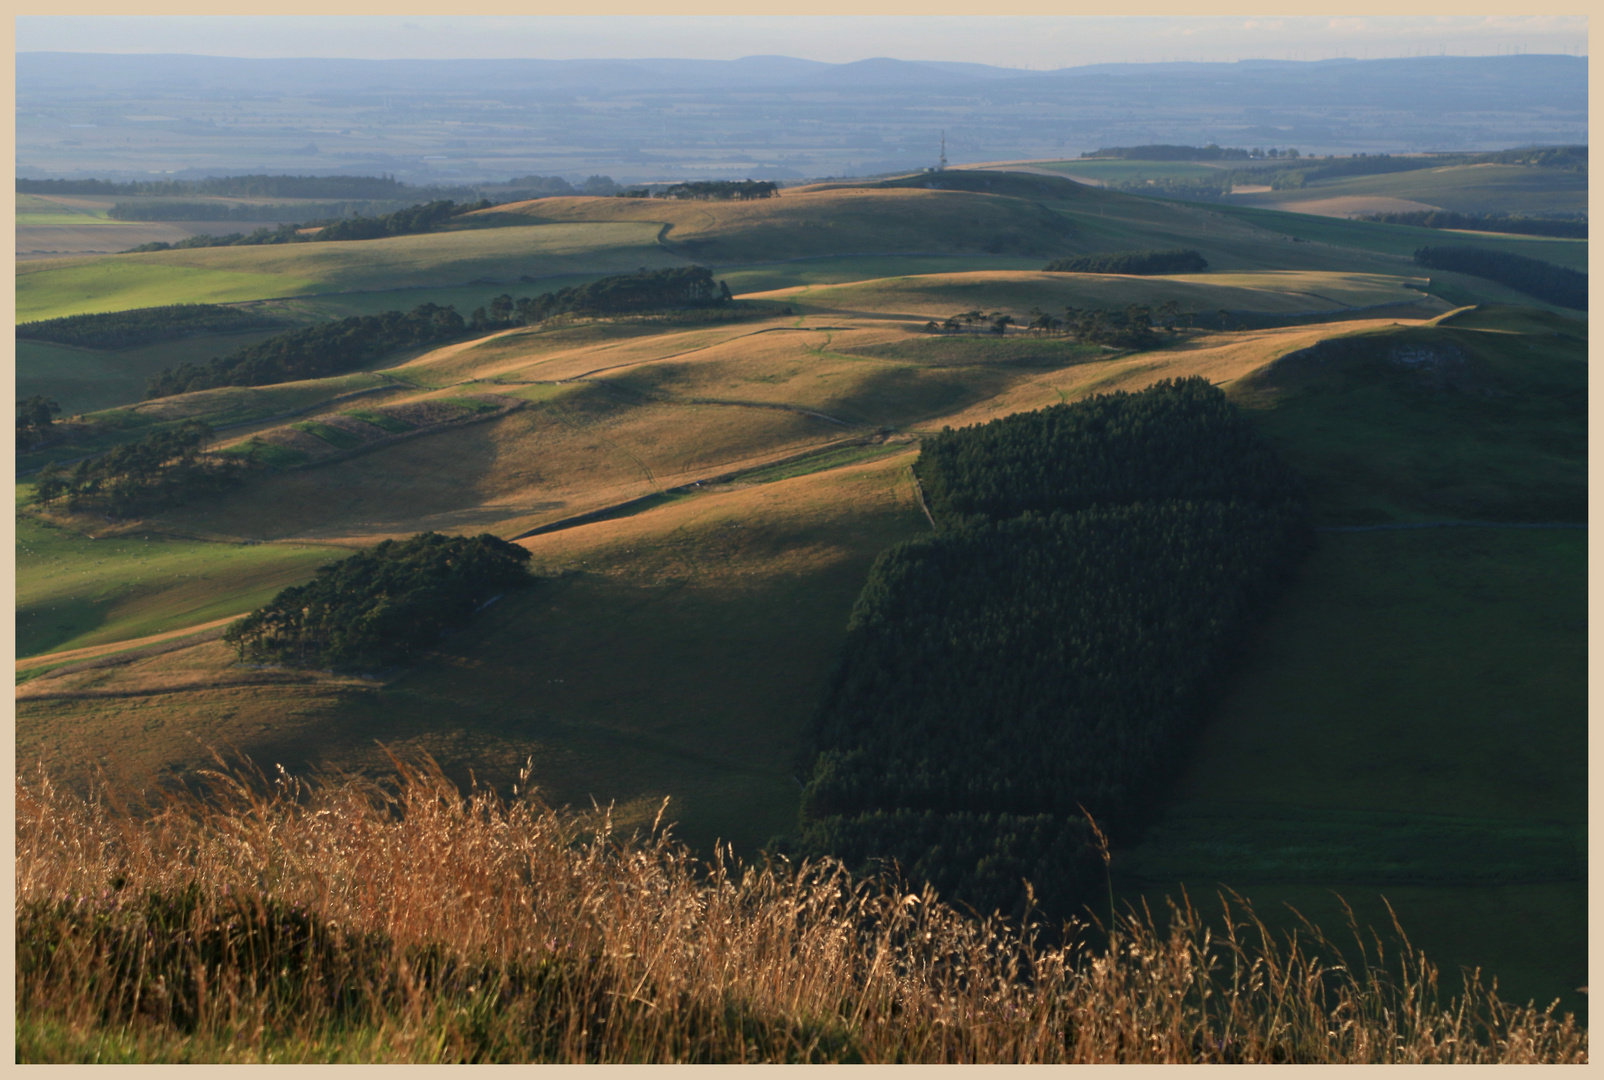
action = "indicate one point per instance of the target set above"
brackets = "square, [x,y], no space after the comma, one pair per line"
[706,500]
[799,224]
[936,296]
[51,288]
[1465,189]
[89,380]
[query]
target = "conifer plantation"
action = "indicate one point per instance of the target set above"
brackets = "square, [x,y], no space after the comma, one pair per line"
[1034,668]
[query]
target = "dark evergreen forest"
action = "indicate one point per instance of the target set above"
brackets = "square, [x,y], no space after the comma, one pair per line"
[144,326]
[1047,653]
[1553,284]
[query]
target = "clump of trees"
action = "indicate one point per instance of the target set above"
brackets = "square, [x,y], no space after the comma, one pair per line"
[1046,653]
[383,606]
[1132,327]
[620,294]
[1170,261]
[161,469]
[723,190]
[35,416]
[143,326]
[313,352]
[1499,223]
[1547,282]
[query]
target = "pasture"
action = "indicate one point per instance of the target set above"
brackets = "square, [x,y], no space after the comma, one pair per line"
[744,475]
[1465,189]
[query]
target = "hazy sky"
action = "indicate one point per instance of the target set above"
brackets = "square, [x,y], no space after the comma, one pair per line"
[1025,42]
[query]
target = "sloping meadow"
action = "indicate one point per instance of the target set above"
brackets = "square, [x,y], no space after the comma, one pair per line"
[1017,687]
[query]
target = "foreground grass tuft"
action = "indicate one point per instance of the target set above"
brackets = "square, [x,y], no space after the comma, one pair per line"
[346,920]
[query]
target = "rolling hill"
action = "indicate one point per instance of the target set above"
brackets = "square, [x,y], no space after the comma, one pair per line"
[703,501]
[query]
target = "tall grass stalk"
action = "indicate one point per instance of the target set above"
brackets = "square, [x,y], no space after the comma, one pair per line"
[279,919]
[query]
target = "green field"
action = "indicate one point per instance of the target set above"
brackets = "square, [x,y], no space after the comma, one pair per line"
[1465,189]
[1411,724]
[55,287]
[88,380]
[74,591]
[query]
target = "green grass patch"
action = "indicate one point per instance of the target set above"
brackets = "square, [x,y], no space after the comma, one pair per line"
[383,421]
[73,591]
[1482,426]
[829,459]
[88,380]
[1395,239]
[417,264]
[1467,189]
[53,288]
[1412,721]
[335,437]
[269,454]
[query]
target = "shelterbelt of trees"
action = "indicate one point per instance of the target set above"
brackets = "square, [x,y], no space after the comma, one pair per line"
[423,218]
[143,326]
[1499,223]
[380,607]
[1169,261]
[313,352]
[1047,652]
[1534,277]
[316,352]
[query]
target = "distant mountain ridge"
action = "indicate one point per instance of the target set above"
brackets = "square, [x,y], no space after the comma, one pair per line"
[759,117]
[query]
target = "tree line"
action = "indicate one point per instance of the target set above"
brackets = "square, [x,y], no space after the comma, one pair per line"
[313,352]
[163,468]
[1534,277]
[1499,223]
[383,606]
[1167,261]
[218,211]
[143,326]
[1169,152]
[722,190]
[425,217]
[332,348]
[1048,651]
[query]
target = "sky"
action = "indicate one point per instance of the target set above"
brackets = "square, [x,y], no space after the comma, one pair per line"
[1036,42]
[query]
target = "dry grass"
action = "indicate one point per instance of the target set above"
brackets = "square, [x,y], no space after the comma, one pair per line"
[343,920]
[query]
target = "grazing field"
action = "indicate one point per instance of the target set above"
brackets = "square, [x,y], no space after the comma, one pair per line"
[936,296]
[51,288]
[89,380]
[1411,724]
[802,222]
[74,590]
[1465,189]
